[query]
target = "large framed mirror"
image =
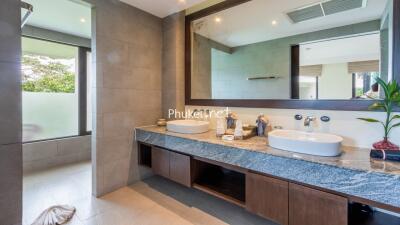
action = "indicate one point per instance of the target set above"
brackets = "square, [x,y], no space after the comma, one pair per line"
[305,54]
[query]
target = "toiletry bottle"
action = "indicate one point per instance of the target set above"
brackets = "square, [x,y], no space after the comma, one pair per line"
[238,130]
[220,131]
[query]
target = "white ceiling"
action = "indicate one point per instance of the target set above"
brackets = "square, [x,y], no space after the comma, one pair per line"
[61,15]
[351,49]
[251,22]
[162,8]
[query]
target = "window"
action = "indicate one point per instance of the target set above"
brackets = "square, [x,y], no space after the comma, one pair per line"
[365,86]
[51,102]
[308,87]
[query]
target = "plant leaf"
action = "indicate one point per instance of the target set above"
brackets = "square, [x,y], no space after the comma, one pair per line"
[376,106]
[395,125]
[396,117]
[384,86]
[370,120]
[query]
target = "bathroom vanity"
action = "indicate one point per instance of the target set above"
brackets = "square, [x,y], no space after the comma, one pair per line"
[281,186]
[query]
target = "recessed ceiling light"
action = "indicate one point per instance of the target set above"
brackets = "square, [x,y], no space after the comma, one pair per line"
[218,19]
[274,22]
[83,20]
[182,1]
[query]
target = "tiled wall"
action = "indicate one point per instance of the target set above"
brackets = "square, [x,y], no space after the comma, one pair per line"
[173,58]
[10,114]
[46,154]
[128,51]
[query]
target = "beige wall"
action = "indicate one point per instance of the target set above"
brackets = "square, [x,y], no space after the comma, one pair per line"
[128,45]
[335,82]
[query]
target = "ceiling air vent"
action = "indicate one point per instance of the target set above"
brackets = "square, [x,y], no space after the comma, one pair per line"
[324,8]
[336,6]
[306,13]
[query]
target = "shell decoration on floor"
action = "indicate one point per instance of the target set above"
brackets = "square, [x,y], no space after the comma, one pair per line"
[55,215]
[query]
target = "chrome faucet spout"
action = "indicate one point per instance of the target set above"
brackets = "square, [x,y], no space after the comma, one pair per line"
[308,120]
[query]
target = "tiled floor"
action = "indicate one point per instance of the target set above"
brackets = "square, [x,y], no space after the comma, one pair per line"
[151,202]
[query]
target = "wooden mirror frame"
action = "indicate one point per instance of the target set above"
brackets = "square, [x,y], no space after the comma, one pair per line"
[345,105]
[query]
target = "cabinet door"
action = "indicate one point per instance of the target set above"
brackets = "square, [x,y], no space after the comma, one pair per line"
[267,197]
[179,168]
[160,161]
[312,207]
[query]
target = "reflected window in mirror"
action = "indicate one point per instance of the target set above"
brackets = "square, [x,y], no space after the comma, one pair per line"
[341,68]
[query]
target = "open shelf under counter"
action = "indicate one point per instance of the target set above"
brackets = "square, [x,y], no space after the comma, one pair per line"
[221,182]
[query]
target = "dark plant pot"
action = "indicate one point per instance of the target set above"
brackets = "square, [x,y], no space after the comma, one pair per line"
[375,87]
[385,144]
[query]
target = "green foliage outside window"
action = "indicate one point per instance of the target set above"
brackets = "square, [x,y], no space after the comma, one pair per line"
[52,76]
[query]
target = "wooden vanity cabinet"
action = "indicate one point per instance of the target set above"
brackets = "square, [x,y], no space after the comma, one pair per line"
[275,199]
[308,206]
[179,169]
[171,165]
[267,197]
[160,161]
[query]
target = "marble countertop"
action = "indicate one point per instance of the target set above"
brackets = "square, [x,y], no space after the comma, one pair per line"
[353,172]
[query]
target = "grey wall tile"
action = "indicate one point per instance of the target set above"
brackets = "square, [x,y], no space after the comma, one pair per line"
[11,168]
[47,154]
[173,67]
[110,149]
[119,124]
[11,207]
[116,100]
[69,146]
[39,150]
[10,44]
[11,184]
[116,174]
[10,103]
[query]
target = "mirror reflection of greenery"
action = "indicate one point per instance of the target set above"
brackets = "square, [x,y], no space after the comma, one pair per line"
[46,74]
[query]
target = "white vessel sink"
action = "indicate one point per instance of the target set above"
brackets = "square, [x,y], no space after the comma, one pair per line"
[188,126]
[319,144]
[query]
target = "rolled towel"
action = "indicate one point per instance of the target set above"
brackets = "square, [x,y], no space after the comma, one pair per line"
[391,155]
[55,215]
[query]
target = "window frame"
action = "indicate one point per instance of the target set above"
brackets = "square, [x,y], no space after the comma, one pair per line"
[82,90]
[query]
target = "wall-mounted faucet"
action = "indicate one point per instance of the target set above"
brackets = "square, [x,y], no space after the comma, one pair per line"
[201,113]
[308,120]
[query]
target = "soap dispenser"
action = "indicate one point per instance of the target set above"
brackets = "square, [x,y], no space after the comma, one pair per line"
[231,120]
[262,125]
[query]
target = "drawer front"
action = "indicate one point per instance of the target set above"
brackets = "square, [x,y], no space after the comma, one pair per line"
[267,197]
[179,168]
[160,161]
[313,207]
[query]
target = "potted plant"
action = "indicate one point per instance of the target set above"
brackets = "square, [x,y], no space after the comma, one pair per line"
[392,98]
